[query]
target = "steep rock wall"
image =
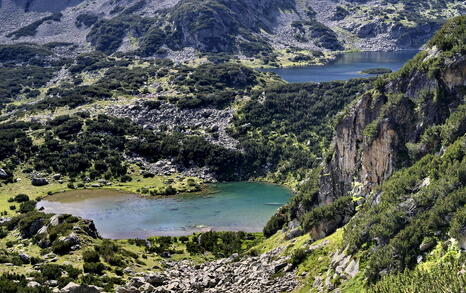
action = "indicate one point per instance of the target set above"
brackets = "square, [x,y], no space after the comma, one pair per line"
[370,140]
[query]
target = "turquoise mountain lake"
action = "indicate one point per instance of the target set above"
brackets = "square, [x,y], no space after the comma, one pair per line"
[346,66]
[239,206]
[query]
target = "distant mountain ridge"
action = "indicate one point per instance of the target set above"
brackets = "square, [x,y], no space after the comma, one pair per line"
[258,28]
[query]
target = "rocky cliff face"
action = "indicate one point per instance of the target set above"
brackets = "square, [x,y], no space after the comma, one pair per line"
[388,128]
[214,26]
[370,140]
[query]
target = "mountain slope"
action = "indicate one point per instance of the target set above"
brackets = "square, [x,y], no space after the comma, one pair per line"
[395,177]
[379,210]
[274,31]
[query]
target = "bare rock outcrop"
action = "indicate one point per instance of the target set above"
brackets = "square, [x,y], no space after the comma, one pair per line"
[370,140]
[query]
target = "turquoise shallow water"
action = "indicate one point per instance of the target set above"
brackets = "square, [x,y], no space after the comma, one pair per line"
[346,66]
[239,206]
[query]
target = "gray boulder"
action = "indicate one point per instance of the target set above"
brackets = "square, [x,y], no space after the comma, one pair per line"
[24,257]
[33,284]
[122,289]
[4,220]
[427,245]
[54,220]
[71,239]
[39,181]
[294,233]
[156,279]
[3,174]
[76,288]
[137,282]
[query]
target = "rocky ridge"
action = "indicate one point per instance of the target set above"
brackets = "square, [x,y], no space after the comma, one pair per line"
[231,27]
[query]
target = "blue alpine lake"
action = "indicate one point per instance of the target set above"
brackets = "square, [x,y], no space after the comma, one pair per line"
[240,206]
[346,66]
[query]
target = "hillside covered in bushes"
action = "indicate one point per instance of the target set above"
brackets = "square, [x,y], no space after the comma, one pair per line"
[377,165]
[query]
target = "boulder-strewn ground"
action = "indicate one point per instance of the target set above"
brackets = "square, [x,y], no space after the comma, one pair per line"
[233,274]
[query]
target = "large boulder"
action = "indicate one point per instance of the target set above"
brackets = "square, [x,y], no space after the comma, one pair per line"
[122,289]
[3,174]
[33,284]
[87,227]
[24,257]
[462,239]
[294,233]
[156,279]
[30,229]
[137,282]
[36,181]
[72,239]
[76,288]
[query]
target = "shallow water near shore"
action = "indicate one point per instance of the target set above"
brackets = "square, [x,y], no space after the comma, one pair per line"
[240,206]
[346,66]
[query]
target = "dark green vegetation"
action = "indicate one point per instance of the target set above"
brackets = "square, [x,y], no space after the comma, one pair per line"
[411,217]
[221,244]
[289,127]
[299,116]
[97,151]
[86,20]
[213,85]
[377,71]
[450,38]
[22,81]
[31,29]
[441,278]
[53,239]
[107,35]
[24,54]
[12,283]
[25,68]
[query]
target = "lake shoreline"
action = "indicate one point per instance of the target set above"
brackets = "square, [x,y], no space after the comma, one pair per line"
[234,206]
[347,65]
[204,191]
